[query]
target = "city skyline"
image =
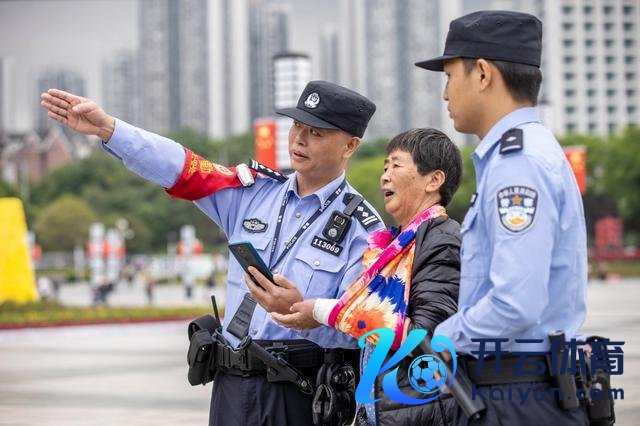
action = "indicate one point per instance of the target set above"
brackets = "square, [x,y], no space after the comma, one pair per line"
[590,65]
[85,34]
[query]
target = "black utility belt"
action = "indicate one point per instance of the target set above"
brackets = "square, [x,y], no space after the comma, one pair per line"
[300,354]
[485,372]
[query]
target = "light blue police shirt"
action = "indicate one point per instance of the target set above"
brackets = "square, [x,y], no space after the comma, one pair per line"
[524,248]
[317,273]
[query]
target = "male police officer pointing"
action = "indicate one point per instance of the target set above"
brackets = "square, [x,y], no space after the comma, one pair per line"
[524,258]
[329,122]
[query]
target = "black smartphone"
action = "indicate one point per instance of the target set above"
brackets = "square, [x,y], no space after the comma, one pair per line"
[247,255]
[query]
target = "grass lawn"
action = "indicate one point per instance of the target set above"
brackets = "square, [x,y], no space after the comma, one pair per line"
[630,269]
[40,314]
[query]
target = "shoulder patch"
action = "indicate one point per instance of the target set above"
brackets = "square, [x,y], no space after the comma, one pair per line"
[363,213]
[511,141]
[517,206]
[267,171]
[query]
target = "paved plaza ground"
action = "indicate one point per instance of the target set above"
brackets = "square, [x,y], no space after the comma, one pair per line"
[136,374]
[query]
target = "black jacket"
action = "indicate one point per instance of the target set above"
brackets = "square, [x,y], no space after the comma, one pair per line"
[433,298]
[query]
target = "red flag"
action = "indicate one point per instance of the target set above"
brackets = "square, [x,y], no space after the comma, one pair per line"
[265,142]
[577,157]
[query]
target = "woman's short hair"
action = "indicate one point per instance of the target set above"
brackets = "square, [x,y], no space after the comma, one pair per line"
[432,150]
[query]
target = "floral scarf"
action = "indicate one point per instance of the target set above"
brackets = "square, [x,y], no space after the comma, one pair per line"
[380,295]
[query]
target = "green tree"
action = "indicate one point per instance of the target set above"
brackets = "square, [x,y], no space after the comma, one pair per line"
[64,223]
[459,204]
[364,175]
[6,190]
[622,172]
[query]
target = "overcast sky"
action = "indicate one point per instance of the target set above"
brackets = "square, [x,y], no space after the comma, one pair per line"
[79,34]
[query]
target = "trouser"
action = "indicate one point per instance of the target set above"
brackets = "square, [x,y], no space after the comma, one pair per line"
[522,404]
[252,400]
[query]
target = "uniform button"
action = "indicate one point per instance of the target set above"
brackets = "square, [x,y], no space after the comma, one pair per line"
[317,263]
[254,331]
[275,271]
[298,215]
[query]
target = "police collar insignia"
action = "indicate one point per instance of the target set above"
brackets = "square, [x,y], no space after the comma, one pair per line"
[255,226]
[474,197]
[517,207]
[312,100]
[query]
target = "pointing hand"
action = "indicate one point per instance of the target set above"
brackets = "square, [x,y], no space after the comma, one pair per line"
[80,114]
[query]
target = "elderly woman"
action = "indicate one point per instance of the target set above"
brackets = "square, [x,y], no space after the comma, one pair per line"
[421,173]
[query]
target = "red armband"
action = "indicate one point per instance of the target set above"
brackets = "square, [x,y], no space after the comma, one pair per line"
[201,177]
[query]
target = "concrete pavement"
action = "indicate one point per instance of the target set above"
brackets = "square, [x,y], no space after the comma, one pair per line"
[136,374]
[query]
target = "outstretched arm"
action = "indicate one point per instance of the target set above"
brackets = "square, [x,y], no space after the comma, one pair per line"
[77,113]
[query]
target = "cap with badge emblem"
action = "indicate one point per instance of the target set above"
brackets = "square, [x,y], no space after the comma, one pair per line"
[329,106]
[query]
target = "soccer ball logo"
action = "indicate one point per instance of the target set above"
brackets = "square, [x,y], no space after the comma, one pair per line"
[422,374]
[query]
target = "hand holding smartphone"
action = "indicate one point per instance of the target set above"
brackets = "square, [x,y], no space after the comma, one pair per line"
[246,254]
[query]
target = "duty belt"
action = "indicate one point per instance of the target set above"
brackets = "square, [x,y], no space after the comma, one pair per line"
[512,370]
[301,354]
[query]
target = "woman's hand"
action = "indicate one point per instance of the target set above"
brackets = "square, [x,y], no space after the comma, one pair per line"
[300,318]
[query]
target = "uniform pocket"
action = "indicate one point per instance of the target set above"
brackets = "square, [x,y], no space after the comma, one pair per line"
[469,219]
[318,273]
[473,249]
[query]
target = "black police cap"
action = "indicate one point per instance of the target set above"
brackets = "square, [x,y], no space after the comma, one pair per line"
[328,106]
[493,34]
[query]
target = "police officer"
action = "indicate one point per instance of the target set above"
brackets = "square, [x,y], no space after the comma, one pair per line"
[524,254]
[283,217]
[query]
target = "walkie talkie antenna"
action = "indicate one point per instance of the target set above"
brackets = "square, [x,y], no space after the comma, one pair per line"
[215,307]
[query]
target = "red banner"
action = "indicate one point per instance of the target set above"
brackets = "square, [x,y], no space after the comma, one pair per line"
[264,132]
[577,157]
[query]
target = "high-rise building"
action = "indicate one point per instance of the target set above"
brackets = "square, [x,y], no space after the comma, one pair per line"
[590,62]
[174,65]
[268,37]
[120,86]
[228,67]
[329,54]
[6,95]
[593,64]
[353,51]
[60,78]
[291,74]
[397,35]
[193,70]
[156,106]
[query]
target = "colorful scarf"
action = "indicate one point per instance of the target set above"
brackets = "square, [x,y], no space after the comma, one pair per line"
[380,295]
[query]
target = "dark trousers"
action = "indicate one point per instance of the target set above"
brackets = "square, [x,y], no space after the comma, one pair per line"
[241,401]
[505,410]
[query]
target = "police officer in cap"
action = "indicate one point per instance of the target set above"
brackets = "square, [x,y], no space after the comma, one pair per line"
[310,226]
[524,253]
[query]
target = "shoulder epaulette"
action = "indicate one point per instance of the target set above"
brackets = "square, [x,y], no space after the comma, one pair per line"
[362,212]
[511,141]
[267,171]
